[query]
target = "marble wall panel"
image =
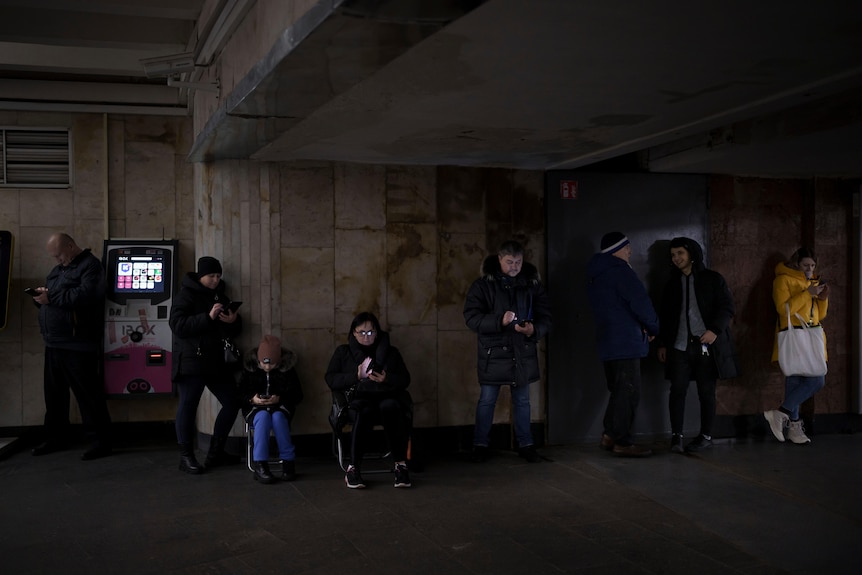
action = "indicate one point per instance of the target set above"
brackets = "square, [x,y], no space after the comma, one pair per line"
[411,267]
[308,288]
[418,347]
[49,208]
[411,194]
[457,386]
[360,275]
[528,193]
[360,196]
[460,200]
[460,261]
[32,394]
[88,160]
[11,384]
[117,177]
[150,190]
[500,212]
[184,202]
[313,348]
[307,206]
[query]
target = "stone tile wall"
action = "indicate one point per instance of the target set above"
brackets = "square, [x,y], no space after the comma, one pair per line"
[755,224]
[402,242]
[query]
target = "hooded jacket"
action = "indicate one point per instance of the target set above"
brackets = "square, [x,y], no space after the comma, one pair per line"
[716,306]
[283,381]
[623,312]
[197,347]
[506,357]
[74,318]
[790,286]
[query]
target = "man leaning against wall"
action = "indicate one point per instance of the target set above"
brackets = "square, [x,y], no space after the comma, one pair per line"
[71,318]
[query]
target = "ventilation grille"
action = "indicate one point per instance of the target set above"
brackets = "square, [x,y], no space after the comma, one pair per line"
[34,158]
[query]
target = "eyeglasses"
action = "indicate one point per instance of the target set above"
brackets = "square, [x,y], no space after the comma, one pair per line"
[368,333]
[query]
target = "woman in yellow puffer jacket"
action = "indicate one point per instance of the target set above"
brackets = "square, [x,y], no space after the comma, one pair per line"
[795,284]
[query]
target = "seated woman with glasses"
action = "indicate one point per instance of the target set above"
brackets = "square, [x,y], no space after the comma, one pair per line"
[371,373]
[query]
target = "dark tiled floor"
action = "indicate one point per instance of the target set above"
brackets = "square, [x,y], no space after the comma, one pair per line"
[758,507]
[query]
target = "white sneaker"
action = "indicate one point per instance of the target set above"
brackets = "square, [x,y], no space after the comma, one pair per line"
[777,421]
[796,433]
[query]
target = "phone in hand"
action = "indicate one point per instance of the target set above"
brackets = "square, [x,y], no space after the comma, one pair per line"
[264,395]
[524,322]
[233,306]
[31,292]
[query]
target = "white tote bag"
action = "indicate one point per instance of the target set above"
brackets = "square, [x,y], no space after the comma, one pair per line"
[801,350]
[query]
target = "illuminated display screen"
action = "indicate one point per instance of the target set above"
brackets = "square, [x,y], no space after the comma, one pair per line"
[139,272]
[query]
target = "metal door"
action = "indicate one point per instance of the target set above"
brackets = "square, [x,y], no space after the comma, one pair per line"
[581,207]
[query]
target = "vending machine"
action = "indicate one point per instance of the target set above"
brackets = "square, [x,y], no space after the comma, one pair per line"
[140,277]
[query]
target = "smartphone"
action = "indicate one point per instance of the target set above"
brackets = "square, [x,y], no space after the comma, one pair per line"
[31,292]
[234,305]
[524,322]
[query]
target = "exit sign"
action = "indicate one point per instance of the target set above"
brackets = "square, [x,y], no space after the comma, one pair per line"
[569,189]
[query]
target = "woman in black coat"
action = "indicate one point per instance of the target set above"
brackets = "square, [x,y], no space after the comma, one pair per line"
[695,341]
[371,373]
[200,319]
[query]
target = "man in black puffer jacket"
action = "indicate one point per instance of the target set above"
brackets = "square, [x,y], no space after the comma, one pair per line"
[509,310]
[71,319]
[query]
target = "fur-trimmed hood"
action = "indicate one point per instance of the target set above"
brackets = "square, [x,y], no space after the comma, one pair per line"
[491,271]
[287,362]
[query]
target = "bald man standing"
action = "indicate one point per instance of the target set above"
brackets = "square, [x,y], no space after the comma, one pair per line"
[71,319]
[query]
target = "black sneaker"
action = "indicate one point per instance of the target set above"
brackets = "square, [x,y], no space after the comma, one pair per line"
[676,443]
[402,476]
[529,453]
[699,443]
[353,479]
[479,454]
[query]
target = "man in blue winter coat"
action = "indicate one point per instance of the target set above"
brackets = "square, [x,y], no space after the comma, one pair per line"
[626,323]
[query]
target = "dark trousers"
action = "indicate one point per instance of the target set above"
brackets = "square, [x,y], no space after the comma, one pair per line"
[683,367]
[624,382]
[191,387]
[365,413]
[79,372]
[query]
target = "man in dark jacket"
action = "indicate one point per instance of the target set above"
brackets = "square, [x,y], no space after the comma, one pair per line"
[509,310]
[625,324]
[71,319]
[695,340]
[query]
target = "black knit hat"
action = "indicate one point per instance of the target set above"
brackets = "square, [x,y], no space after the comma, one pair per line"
[208,265]
[613,242]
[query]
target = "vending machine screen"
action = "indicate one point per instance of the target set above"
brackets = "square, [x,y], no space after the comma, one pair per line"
[139,273]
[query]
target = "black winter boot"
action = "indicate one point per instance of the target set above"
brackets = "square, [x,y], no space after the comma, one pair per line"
[217,456]
[288,470]
[188,462]
[262,473]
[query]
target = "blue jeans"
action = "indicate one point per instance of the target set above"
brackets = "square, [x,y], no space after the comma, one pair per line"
[520,414]
[264,422]
[798,388]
